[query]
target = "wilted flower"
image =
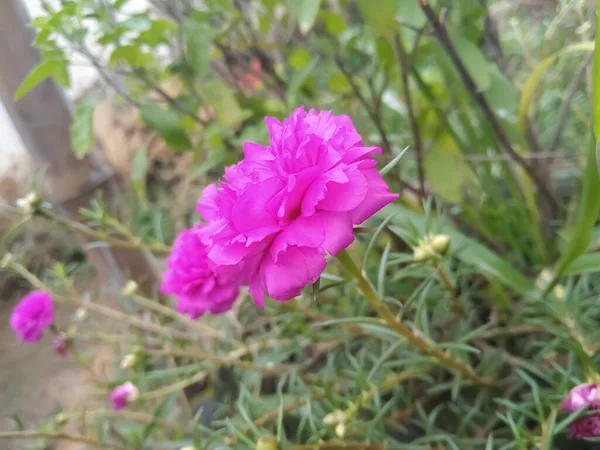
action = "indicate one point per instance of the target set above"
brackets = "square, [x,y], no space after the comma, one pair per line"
[584,396]
[199,285]
[585,427]
[285,206]
[60,344]
[33,313]
[124,394]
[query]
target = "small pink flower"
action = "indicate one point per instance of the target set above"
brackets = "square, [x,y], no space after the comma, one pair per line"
[585,427]
[33,313]
[282,209]
[199,285]
[582,395]
[60,345]
[124,394]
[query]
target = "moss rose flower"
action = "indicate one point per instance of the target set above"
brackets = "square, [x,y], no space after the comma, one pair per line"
[199,285]
[281,210]
[32,315]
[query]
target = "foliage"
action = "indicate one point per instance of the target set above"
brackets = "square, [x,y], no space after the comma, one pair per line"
[501,159]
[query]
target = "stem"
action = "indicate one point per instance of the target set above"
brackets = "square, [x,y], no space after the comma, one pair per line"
[175,387]
[448,286]
[403,67]
[59,437]
[421,343]
[444,38]
[157,248]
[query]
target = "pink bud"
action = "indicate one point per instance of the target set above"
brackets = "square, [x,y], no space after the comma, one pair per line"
[124,394]
[60,344]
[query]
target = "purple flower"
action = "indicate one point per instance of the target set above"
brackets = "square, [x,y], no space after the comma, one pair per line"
[124,394]
[199,285]
[585,427]
[582,395]
[33,313]
[281,210]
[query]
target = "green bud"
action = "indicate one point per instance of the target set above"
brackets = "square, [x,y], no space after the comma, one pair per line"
[267,442]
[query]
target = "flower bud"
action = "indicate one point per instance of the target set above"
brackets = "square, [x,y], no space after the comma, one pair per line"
[61,419]
[560,292]
[267,442]
[188,447]
[335,417]
[29,204]
[60,343]
[81,314]
[340,430]
[129,361]
[440,243]
[6,260]
[130,288]
[124,394]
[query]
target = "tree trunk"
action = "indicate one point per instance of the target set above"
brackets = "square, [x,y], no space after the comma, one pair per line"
[42,118]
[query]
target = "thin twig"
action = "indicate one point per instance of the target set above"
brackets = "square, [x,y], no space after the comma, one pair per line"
[403,67]
[61,436]
[372,112]
[565,107]
[444,38]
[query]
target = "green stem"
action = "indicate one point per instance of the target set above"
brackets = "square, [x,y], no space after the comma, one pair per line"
[421,343]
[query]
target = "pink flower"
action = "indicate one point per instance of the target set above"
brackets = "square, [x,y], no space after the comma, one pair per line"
[124,394]
[199,285]
[33,313]
[282,209]
[582,395]
[60,345]
[585,427]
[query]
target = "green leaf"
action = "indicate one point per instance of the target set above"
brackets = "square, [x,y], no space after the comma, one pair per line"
[338,83]
[380,15]
[197,41]
[596,77]
[157,33]
[474,61]
[131,55]
[409,12]
[446,170]
[82,128]
[38,74]
[334,23]
[223,102]
[586,263]
[502,95]
[532,82]
[167,124]
[307,14]
[138,174]
[581,235]
[137,23]
[299,58]
[469,251]
[298,79]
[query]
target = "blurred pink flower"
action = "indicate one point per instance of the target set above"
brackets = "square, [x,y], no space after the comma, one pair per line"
[585,427]
[285,206]
[60,345]
[199,285]
[33,313]
[582,395]
[124,394]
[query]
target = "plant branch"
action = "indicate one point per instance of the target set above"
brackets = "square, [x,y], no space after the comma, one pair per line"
[61,436]
[403,67]
[416,340]
[444,38]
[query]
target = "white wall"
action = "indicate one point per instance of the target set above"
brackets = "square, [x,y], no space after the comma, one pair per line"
[14,161]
